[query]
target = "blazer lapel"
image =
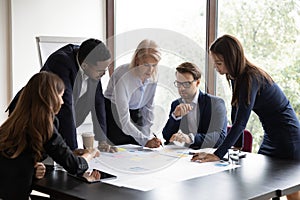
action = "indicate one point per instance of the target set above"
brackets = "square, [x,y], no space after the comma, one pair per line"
[77,87]
[205,112]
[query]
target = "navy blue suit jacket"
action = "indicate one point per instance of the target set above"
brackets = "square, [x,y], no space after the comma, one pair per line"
[63,63]
[205,109]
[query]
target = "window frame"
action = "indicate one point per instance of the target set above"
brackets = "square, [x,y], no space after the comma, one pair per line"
[211,33]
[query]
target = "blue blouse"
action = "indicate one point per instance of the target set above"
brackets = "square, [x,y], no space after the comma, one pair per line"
[126,90]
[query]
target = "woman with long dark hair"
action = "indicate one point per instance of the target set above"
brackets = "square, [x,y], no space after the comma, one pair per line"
[30,132]
[253,89]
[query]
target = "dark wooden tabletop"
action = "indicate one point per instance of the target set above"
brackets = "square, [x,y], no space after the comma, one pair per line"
[259,177]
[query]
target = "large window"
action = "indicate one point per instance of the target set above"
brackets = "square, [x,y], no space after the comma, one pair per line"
[179,30]
[269,31]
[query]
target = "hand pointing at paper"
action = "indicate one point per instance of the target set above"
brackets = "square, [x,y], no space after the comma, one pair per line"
[205,157]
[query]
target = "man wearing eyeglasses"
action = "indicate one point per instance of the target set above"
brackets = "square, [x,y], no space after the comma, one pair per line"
[81,68]
[196,119]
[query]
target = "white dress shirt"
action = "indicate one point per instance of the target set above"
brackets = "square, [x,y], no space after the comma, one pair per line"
[192,117]
[84,83]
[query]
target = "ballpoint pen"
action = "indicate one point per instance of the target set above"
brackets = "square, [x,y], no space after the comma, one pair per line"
[157,138]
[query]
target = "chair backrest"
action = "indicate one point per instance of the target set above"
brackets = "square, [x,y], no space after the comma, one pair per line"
[247,140]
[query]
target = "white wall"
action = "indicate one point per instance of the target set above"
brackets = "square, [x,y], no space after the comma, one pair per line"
[5,88]
[31,18]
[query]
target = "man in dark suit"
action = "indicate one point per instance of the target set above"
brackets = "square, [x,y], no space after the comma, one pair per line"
[196,119]
[81,68]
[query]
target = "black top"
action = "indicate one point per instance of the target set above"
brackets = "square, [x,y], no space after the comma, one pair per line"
[16,174]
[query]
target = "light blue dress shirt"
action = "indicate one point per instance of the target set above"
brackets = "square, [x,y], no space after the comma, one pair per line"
[126,90]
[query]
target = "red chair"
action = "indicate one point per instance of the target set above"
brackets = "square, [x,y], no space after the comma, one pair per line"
[247,141]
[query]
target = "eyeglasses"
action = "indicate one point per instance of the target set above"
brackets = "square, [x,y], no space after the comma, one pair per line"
[186,84]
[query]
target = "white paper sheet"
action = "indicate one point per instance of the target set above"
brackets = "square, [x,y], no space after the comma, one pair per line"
[144,169]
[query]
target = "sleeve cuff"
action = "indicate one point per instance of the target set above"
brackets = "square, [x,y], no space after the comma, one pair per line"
[176,118]
[192,137]
[142,141]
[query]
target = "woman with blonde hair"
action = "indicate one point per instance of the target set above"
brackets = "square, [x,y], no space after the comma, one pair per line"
[129,98]
[30,132]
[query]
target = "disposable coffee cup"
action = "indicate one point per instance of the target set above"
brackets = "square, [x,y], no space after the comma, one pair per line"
[88,140]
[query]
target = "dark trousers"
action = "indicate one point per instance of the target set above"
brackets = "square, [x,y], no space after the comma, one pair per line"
[114,132]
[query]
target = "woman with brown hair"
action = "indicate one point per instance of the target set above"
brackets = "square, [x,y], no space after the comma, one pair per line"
[31,131]
[253,89]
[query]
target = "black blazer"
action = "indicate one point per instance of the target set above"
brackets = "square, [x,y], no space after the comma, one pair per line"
[63,63]
[16,174]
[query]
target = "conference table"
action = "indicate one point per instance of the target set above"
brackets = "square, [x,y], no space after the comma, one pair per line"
[259,177]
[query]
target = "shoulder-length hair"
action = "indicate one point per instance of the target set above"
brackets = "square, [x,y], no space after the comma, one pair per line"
[144,49]
[230,50]
[30,125]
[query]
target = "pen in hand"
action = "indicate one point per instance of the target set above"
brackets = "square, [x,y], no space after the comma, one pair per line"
[157,138]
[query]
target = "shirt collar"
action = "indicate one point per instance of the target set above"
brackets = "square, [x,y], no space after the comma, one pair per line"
[82,74]
[195,99]
[146,82]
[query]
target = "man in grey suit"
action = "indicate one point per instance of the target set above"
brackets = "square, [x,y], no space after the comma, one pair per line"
[196,119]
